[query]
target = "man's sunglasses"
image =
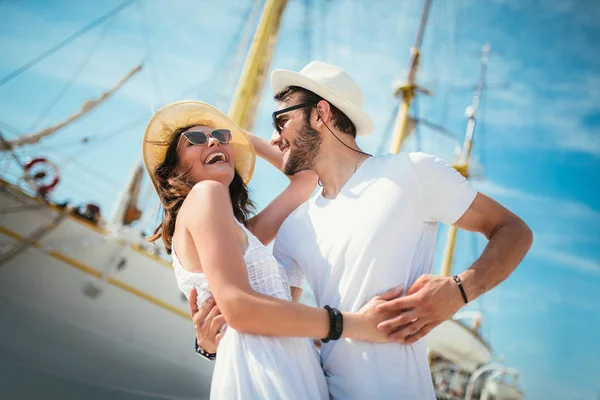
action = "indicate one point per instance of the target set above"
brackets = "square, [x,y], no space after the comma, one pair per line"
[196,137]
[277,125]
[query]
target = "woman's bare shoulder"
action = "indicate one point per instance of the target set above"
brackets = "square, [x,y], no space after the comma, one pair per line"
[206,196]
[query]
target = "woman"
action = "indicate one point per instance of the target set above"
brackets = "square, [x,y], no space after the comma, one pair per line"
[199,162]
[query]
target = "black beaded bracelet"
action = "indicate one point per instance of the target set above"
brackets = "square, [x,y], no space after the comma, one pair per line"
[204,353]
[460,286]
[336,324]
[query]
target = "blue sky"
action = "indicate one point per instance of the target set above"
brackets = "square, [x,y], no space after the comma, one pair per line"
[537,147]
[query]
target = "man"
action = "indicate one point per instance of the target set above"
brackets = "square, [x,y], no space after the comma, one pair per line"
[372,227]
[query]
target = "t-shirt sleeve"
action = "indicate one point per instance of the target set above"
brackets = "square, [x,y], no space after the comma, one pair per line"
[444,193]
[286,260]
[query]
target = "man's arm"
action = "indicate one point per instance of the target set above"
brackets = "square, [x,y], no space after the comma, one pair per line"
[509,241]
[433,299]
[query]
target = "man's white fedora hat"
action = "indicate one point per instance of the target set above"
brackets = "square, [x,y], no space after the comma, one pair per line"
[331,83]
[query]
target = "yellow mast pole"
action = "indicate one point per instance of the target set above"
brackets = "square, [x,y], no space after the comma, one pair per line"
[252,80]
[407,91]
[462,165]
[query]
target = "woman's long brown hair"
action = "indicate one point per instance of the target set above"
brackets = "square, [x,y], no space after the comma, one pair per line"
[173,189]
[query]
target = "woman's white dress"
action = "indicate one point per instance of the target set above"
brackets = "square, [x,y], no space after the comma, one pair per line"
[260,367]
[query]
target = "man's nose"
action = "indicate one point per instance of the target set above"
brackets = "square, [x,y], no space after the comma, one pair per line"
[275,138]
[212,142]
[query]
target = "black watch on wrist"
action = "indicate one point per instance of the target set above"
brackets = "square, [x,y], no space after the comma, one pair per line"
[204,353]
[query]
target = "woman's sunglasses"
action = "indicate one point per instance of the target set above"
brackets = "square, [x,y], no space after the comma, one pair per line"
[277,124]
[196,137]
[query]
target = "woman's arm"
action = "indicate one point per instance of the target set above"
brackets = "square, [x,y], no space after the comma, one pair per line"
[265,151]
[265,224]
[213,231]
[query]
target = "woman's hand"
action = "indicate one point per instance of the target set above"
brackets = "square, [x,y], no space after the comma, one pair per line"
[368,318]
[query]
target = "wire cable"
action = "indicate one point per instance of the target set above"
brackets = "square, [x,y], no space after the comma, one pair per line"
[63,43]
[73,78]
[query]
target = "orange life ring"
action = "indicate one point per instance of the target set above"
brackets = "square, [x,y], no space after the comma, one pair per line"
[42,189]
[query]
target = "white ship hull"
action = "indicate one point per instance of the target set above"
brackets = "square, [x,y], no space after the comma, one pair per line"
[459,345]
[72,320]
[499,390]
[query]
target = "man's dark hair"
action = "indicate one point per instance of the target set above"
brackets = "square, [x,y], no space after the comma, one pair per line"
[340,120]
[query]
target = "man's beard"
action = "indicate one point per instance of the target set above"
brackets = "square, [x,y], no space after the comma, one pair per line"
[303,150]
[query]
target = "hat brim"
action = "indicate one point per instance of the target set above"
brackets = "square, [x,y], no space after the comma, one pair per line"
[282,78]
[166,121]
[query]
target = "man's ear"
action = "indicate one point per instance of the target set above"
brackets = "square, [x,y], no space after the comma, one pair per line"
[323,109]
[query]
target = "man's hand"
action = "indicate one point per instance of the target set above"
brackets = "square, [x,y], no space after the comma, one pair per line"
[430,301]
[208,322]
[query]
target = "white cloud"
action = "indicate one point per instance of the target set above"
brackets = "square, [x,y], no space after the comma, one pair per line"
[568,9]
[510,301]
[564,208]
[559,239]
[494,189]
[567,260]
[544,124]
[536,109]
[557,226]
[535,300]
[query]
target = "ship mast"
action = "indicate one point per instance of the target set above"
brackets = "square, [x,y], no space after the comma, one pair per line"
[252,80]
[402,128]
[464,158]
[407,90]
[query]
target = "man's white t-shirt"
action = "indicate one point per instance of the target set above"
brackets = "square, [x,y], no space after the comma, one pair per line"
[377,234]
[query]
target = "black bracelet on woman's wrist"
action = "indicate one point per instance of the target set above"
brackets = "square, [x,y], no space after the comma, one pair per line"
[336,324]
[204,353]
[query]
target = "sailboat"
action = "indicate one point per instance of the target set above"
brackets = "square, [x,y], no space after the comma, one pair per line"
[88,306]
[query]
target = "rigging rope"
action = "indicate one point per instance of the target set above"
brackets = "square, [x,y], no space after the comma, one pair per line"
[75,75]
[63,43]
[87,107]
[63,156]
[100,139]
